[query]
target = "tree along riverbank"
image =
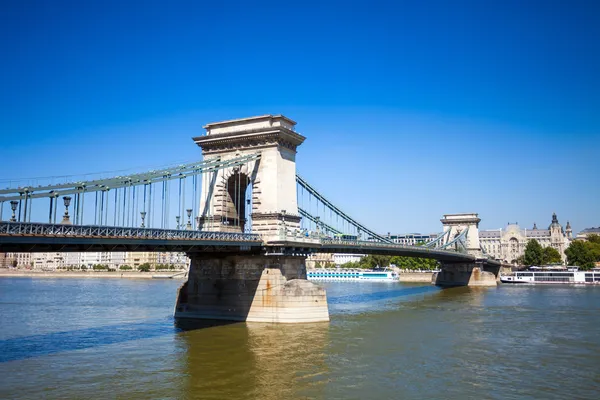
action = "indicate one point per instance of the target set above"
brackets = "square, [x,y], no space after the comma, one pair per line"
[89,274]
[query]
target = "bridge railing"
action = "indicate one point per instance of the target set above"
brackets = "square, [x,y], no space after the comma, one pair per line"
[372,244]
[94,231]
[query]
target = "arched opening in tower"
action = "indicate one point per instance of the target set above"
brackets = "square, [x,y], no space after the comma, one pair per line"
[239,202]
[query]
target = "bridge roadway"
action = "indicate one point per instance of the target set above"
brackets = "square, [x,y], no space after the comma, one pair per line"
[42,237]
[36,237]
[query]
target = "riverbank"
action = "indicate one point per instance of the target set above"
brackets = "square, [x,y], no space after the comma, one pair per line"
[421,277]
[9,273]
[415,277]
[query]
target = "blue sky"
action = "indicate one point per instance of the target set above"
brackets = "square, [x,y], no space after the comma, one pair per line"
[411,109]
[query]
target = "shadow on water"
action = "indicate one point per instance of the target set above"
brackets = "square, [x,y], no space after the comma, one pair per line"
[24,347]
[38,345]
[185,324]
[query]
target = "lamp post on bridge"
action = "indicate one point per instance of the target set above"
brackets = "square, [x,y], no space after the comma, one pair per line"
[189,215]
[177,219]
[13,207]
[197,223]
[143,215]
[67,201]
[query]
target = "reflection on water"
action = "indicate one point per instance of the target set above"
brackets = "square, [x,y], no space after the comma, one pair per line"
[117,339]
[254,360]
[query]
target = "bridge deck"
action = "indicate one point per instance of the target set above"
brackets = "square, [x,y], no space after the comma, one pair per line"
[36,237]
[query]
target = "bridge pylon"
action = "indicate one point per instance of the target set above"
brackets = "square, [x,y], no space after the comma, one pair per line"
[268,285]
[262,191]
[480,271]
[455,224]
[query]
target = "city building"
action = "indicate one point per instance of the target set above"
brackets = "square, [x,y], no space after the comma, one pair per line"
[508,244]
[588,231]
[47,261]
[114,260]
[341,259]
[412,239]
[18,260]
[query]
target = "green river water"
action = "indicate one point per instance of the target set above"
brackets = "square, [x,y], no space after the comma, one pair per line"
[116,339]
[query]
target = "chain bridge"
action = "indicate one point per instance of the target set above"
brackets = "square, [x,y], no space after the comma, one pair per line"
[243,215]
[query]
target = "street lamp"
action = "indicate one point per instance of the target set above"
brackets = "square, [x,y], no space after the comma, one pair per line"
[198,223]
[189,215]
[13,207]
[177,219]
[67,202]
[143,215]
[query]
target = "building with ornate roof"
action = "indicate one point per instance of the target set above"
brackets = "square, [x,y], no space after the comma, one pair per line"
[588,231]
[508,244]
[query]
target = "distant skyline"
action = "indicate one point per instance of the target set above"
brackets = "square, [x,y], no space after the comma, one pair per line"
[411,110]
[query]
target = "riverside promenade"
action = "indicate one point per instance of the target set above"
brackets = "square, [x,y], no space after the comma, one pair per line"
[415,277]
[19,273]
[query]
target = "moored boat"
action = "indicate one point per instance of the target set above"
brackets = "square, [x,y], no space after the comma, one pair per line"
[328,274]
[572,275]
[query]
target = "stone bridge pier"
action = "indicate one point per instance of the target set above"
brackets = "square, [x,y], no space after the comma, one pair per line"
[476,273]
[254,288]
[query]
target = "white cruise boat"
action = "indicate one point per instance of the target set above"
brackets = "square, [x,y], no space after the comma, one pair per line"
[351,275]
[553,276]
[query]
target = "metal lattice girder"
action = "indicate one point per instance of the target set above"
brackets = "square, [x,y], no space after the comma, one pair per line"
[342,214]
[318,222]
[367,247]
[118,182]
[94,231]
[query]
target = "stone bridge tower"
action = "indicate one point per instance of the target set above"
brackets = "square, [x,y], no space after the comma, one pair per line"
[457,223]
[263,190]
[478,272]
[245,285]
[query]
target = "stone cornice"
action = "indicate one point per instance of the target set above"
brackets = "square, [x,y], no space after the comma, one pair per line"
[468,221]
[275,215]
[249,119]
[249,139]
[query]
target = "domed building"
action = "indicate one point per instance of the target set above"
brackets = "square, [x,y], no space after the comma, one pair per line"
[508,244]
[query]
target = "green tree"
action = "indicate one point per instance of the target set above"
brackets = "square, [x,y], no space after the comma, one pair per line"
[351,265]
[593,243]
[414,263]
[145,267]
[593,238]
[534,253]
[374,261]
[124,267]
[581,254]
[551,256]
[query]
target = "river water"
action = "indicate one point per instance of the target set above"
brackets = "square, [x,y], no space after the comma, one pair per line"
[110,338]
